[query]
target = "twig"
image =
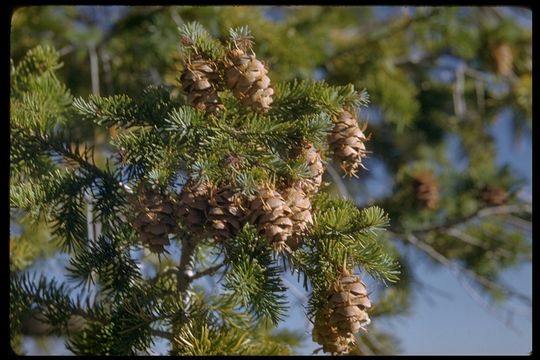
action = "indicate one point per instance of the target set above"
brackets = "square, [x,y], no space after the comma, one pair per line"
[459,97]
[66,50]
[170,270]
[466,238]
[210,271]
[388,30]
[82,163]
[517,222]
[411,238]
[480,95]
[480,213]
[162,334]
[106,60]
[90,227]
[176,17]
[94,69]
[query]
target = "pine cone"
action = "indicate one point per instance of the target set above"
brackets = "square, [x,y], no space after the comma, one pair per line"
[503,59]
[331,341]
[200,81]
[193,207]
[494,195]
[154,219]
[272,217]
[316,167]
[344,315]
[225,215]
[300,205]
[248,80]
[427,190]
[347,141]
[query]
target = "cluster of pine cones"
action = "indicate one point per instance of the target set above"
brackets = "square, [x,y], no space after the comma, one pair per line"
[282,215]
[245,76]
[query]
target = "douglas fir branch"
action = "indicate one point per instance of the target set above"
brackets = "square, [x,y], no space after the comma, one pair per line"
[231,170]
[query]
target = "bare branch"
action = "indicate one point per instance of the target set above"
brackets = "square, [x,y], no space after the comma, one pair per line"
[466,238]
[458,95]
[380,30]
[389,29]
[94,68]
[517,222]
[162,334]
[185,268]
[457,270]
[176,17]
[480,213]
[210,271]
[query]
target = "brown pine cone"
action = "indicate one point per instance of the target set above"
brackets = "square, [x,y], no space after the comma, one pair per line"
[247,78]
[154,219]
[347,141]
[200,81]
[271,215]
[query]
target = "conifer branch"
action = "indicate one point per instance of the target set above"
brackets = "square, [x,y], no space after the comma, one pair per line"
[387,30]
[478,214]
[466,238]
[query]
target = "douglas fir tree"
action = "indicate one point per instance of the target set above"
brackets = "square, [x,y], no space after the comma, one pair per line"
[230,173]
[442,81]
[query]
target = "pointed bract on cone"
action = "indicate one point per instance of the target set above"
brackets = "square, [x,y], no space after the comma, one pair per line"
[427,190]
[155,219]
[300,205]
[343,316]
[193,206]
[225,214]
[247,78]
[200,81]
[347,141]
[271,215]
[314,162]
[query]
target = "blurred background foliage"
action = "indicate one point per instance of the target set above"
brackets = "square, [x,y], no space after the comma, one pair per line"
[438,79]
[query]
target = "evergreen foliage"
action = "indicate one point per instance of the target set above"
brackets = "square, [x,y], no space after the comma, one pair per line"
[160,139]
[76,162]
